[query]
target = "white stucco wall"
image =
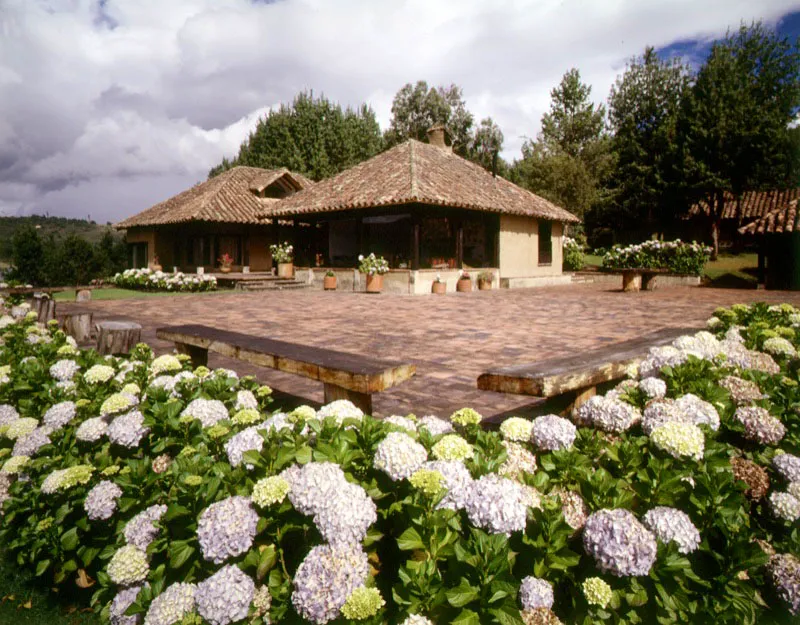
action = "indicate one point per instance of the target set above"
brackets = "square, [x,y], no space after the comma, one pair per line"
[519,248]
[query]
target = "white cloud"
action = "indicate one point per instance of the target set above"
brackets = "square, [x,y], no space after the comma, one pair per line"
[108,107]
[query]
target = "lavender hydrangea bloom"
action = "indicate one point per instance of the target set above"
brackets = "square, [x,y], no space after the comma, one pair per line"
[101,501]
[140,531]
[551,432]
[497,504]
[619,544]
[171,605]
[64,370]
[759,425]
[245,400]
[784,568]
[671,524]
[122,601]
[347,515]
[30,445]
[225,597]
[434,425]
[404,423]
[340,410]
[609,415]
[59,415]
[246,440]
[659,412]
[658,357]
[207,411]
[787,465]
[653,387]
[698,411]
[8,414]
[458,482]
[535,592]
[398,455]
[325,579]
[92,430]
[278,421]
[313,484]
[226,529]
[128,429]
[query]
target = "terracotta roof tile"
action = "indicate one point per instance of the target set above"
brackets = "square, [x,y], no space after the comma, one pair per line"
[227,197]
[421,173]
[782,219]
[753,205]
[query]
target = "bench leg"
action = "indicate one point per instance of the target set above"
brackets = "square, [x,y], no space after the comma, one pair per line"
[581,397]
[649,282]
[198,355]
[361,400]
[631,281]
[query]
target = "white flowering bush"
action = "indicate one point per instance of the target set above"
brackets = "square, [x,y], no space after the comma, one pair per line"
[282,252]
[149,280]
[675,256]
[185,498]
[373,265]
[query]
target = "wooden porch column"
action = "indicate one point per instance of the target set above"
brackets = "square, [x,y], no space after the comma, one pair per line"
[416,235]
[460,245]
[762,262]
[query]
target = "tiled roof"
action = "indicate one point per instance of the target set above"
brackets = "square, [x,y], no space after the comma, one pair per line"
[419,173]
[753,205]
[783,219]
[228,197]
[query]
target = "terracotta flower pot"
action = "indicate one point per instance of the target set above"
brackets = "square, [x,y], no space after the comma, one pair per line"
[225,269]
[484,285]
[286,270]
[329,283]
[156,267]
[464,286]
[440,288]
[374,283]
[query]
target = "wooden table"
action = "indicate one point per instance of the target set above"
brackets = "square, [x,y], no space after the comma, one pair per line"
[344,376]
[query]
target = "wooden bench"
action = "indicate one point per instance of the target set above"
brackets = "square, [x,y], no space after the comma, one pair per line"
[344,376]
[579,374]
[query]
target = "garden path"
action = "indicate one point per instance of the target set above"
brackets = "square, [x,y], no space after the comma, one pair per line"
[451,338]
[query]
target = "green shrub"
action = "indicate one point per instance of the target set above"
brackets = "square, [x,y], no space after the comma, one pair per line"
[675,256]
[573,255]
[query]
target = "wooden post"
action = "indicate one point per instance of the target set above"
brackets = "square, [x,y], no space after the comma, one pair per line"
[198,355]
[44,306]
[117,337]
[78,325]
[762,261]
[415,245]
[361,400]
[631,281]
[460,245]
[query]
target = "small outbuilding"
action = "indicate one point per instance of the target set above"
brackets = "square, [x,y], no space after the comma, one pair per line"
[777,234]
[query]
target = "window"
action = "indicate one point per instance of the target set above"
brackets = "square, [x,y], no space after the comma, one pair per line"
[545,242]
[137,255]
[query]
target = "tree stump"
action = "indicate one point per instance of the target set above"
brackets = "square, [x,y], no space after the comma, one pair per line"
[44,306]
[631,281]
[117,337]
[84,295]
[77,324]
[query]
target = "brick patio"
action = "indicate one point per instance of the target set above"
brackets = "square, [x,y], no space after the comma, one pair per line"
[451,338]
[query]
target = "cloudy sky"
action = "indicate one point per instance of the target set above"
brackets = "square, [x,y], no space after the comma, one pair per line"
[109,106]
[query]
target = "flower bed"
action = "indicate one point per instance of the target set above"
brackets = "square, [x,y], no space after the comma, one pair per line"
[178,496]
[674,256]
[149,280]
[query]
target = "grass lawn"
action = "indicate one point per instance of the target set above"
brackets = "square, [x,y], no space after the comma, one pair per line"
[25,601]
[114,293]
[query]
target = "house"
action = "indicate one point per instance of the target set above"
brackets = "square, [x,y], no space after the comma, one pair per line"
[219,216]
[777,233]
[428,211]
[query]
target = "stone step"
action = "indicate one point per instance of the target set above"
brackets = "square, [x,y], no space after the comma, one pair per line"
[271,285]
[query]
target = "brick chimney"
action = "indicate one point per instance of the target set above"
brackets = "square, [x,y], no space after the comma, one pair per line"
[436,136]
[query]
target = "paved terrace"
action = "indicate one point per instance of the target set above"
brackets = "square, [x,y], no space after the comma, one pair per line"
[451,338]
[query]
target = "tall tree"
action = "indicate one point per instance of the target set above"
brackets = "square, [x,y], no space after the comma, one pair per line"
[643,112]
[570,157]
[485,146]
[736,122]
[312,136]
[416,108]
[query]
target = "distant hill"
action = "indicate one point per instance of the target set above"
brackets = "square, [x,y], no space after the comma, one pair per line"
[60,227]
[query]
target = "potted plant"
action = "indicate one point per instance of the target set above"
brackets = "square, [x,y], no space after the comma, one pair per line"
[156,265]
[329,282]
[439,287]
[225,263]
[283,253]
[464,284]
[374,267]
[485,279]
